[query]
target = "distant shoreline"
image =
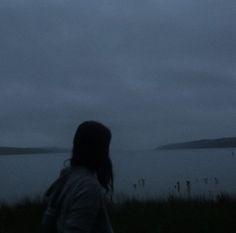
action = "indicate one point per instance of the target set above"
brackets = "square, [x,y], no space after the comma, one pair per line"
[30,150]
[219,143]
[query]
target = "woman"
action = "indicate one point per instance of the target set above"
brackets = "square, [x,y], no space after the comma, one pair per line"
[76,199]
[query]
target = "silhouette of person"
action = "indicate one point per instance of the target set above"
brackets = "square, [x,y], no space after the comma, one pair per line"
[75,201]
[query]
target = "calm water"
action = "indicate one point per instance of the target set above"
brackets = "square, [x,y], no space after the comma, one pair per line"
[139,173]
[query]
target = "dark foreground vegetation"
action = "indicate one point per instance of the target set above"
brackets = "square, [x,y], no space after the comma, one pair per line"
[138,216]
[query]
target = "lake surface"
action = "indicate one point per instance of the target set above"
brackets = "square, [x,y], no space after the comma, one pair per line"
[137,173]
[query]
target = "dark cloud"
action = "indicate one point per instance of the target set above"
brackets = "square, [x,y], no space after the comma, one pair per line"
[153,71]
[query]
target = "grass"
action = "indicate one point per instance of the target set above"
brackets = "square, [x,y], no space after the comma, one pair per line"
[138,216]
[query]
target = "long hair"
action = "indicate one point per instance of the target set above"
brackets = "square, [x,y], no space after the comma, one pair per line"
[91,150]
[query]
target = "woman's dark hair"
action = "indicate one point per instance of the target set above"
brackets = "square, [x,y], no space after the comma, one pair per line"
[91,149]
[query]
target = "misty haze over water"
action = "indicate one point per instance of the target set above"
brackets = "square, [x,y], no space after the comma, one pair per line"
[146,173]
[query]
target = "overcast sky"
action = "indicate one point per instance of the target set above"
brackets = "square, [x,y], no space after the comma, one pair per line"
[154,71]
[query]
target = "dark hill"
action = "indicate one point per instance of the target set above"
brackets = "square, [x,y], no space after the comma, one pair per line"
[228,142]
[26,150]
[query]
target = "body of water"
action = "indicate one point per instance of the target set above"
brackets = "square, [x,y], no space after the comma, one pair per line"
[137,173]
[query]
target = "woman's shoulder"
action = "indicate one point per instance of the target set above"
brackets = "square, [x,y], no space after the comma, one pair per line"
[85,181]
[84,189]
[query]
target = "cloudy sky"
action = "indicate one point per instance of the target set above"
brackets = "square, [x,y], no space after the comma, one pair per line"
[154,71]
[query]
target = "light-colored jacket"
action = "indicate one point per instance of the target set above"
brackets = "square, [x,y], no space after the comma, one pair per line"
[79,201]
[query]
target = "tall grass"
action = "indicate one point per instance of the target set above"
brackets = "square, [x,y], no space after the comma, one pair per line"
[138,216]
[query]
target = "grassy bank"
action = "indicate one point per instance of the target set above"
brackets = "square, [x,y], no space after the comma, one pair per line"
[135,216]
